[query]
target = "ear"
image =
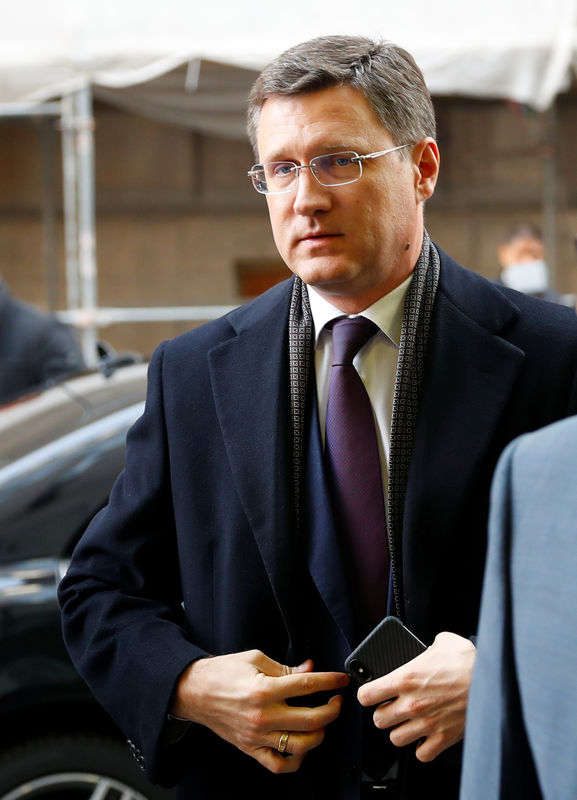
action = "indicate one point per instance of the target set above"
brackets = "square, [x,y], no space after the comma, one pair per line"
[426,159]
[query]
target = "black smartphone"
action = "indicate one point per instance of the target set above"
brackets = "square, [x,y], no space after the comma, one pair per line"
[388,646]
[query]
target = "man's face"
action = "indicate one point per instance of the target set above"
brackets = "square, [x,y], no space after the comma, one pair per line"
[354,243]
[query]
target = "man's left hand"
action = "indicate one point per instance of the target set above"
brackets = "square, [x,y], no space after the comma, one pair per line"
[425,700]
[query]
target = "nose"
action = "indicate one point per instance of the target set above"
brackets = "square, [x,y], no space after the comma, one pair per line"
[310,196]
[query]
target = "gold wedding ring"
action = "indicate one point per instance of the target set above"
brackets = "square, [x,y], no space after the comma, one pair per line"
[282,742]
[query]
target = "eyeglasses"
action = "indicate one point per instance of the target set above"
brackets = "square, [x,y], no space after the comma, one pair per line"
[334,169]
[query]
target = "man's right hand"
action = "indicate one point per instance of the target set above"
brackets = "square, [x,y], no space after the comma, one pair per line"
[242,698]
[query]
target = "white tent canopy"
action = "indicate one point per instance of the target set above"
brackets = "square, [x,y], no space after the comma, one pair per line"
[192,63]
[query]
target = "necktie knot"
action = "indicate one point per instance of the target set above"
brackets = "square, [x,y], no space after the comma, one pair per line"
[349,335]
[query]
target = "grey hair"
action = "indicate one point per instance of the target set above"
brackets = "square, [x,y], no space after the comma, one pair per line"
[384,73]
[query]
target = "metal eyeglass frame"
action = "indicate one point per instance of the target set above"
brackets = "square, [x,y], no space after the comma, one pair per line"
[296,168]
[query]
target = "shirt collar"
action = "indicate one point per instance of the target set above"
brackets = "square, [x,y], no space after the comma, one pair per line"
[386,313]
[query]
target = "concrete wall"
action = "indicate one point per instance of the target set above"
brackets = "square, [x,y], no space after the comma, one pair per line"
[179,224]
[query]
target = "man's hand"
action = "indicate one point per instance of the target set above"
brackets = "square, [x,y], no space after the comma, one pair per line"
[242,698]
[426,699]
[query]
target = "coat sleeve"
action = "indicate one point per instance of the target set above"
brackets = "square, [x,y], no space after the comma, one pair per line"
[121,599]
[497,758]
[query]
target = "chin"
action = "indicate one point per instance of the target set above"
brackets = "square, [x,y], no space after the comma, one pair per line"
[325,275]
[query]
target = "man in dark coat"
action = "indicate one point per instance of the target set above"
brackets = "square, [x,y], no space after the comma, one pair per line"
[211,605]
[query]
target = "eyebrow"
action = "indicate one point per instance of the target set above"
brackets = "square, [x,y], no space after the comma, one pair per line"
[322,151]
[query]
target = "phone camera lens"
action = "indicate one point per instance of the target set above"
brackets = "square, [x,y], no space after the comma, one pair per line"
[362,674]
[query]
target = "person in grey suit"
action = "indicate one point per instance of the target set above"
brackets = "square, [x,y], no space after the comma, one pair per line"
[521,734]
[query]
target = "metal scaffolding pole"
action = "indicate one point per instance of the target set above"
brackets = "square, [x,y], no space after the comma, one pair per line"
[48,134]
[79,216]
[69,202]
[112,316]
[549,199]
[87,220]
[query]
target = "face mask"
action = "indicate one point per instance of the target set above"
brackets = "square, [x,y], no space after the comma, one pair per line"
[530,277]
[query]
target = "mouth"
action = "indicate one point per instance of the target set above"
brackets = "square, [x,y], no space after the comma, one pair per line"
[319,238]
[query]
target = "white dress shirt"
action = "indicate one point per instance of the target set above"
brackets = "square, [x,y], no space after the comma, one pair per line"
[376,362]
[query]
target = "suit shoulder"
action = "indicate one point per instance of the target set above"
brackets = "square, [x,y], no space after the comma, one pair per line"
[548,444]
[490,302]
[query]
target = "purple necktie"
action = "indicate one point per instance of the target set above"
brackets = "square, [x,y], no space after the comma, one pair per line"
[355,474]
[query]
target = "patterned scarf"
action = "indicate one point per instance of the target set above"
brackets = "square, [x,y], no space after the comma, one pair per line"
[410,368]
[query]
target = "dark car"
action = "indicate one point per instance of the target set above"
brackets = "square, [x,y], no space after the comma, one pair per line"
[60,452]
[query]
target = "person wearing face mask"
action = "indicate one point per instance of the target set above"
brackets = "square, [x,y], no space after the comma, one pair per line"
[522,264]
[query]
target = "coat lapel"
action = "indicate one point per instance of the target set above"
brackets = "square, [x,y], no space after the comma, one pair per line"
[320,536]
[470,374]
[471,370]
[250,380]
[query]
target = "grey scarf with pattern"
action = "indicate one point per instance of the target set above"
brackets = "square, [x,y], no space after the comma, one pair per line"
[410,368]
